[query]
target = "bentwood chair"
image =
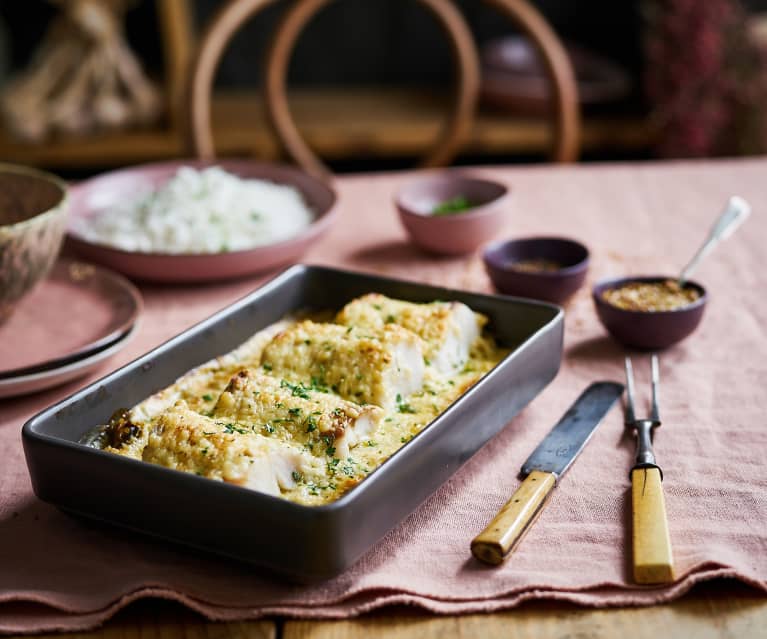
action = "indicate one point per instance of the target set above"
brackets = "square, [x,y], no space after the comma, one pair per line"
[231,18]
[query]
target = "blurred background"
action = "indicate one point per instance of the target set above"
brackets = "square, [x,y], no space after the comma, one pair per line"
[93,84]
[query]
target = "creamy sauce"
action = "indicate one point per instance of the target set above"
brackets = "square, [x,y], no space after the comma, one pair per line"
[328,474]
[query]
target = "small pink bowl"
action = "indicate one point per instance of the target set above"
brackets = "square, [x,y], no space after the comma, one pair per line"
[456,233]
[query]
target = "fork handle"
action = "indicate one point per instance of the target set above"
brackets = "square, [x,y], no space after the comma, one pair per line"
[653,561]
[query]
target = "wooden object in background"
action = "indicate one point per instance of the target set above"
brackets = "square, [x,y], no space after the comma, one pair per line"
[465,94]
[83,78]
[560,71]
[557,64]
[339,123]
[653,562]
[232,17]
[179,41]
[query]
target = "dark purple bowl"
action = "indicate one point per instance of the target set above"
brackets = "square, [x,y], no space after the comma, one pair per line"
[551,286]
[648,330]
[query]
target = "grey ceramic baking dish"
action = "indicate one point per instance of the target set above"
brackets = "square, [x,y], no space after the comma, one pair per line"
[258,528]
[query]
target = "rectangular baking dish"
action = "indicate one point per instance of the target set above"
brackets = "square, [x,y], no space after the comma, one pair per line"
[303,543]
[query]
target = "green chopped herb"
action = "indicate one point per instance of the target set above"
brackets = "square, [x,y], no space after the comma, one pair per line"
[403,407]
[377,307]
[390,319]
[330,451]
[296,476]
[297,390]
[266,366]
[207,397]
[349,330]
[268,428]
[295,412]
[454,205]
[234,428]
[370,443]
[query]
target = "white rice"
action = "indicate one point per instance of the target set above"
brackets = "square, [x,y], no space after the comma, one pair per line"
[207,211]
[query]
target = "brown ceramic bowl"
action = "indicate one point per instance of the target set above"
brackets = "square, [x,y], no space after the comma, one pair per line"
[644,329]
[555,285]
[454,233]
[33,208]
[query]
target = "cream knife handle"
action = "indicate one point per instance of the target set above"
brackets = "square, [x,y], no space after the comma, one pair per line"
[653,563]
[502,534]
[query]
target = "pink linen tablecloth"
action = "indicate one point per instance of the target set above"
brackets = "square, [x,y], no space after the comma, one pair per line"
[62,573]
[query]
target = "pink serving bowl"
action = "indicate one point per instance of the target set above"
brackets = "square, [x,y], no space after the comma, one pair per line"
[90,197]
[457,233]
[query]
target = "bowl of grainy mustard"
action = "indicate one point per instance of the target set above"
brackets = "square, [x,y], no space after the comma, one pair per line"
[652,312]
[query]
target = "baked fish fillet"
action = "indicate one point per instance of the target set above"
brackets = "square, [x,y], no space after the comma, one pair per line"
[363,365]
[323,423]
[184,440]
[448,328]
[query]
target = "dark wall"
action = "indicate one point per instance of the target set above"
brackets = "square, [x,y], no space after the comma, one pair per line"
[358,41]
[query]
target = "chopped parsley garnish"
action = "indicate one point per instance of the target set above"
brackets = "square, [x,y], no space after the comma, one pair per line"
[403,407]
[390,319]
[457,204]
[370,443]
[297,390]
[207,397]
[294,412]
[296,476]
[266,366]
[268,428]
[234,428]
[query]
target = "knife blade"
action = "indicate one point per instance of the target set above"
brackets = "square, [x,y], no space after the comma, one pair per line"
[543,469]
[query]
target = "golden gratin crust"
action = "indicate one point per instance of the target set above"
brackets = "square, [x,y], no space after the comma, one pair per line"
[305,409]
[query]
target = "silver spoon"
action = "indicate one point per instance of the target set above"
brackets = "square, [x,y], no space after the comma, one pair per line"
[731,218]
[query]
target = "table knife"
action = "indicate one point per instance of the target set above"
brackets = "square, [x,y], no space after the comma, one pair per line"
[542,471]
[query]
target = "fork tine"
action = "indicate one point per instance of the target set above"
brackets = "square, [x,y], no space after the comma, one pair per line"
[630,418]
[655,416]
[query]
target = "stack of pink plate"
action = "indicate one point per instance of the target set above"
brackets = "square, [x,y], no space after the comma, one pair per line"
[66,327]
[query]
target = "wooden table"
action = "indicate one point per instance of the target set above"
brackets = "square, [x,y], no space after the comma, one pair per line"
[717,609]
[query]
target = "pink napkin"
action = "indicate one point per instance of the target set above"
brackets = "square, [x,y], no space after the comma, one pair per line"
[62,573]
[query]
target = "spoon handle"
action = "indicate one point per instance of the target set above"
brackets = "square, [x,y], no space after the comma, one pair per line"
[733,216]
